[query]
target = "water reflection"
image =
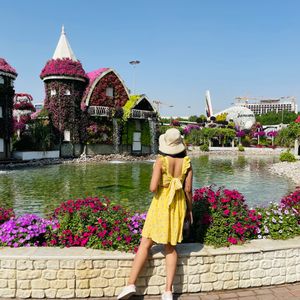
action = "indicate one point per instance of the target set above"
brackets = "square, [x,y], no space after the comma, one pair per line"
[40,190]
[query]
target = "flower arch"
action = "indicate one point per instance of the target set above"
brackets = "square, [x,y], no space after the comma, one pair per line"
[99,81]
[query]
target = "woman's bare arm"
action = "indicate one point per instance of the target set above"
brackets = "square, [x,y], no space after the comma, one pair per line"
[188,189]
[156,175]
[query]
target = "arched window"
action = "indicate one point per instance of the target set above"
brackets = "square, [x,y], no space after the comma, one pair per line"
[52,92]
[1,145]
[1,113]
[67,93]
[1,80]
[109,91]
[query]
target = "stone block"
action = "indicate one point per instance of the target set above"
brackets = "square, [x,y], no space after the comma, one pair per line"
[233,257]
[244,283]
[12,283]
[291,278]
[233,266]
[198,269]
[109,291]
[218,285]
[24,264]
[266,281]
[85,293]
[231,284]
[53,264]
[40,264]
[225,276]
[125,263]
[208,259]
[153,290]
[280,254]
[272,272]
[217,268]
[194,279]
[161,271]
[3,283]
[208,277]
[50,293]
[65,293]
[266,264]
[98,264]
[32,274]
[156,280]
[291,270]
[8,264]
[278,262]
[49,274]
[95,293]
[7,274]
[23,284]
[82,284]
[40,284]
[39,294]
[112,264]
[256,281]
[246,257]
[116,282]
[278,280]
[71,283]
[66,274]
[23,294]
[220,259]
[108,273]
[67,264]
[87,274]
[258,273]
[194,260]
[99,282]
[123,272]
[83,264]
[245,275]
[58,284]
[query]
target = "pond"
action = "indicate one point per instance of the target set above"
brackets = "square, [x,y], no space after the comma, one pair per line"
[40,190]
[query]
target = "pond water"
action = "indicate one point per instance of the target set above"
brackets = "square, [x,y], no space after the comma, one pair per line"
[40,190]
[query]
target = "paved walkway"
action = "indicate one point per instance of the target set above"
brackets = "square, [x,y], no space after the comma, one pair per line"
[286,291]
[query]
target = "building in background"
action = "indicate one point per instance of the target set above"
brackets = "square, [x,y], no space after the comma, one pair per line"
[262,106]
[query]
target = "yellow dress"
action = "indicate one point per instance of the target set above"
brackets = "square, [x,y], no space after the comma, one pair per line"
[165,217]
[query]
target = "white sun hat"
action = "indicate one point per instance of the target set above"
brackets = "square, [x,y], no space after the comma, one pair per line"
[171,142]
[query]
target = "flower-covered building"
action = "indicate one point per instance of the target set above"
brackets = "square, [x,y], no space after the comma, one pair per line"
[7,76]
[88,110]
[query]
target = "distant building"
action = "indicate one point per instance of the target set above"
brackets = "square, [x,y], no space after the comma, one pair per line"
[264,106]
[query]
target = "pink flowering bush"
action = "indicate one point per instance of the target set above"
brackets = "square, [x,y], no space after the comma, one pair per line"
[63,67]
[6,214]
[221,217]
[6,67]
[99,134]
[26,230]
[96,223]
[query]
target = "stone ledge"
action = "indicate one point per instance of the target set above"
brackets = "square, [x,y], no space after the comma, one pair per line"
[48,272]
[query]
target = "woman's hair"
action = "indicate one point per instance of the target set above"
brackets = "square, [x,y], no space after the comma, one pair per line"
[178,155]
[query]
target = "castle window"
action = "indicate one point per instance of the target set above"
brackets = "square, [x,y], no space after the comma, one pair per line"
[1,145]
[11,82]
[1,114]
[67,93]
[67,136]
[110,92]
[53,92]
[1,80]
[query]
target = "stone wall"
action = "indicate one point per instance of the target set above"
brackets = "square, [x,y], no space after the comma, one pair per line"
[79,272]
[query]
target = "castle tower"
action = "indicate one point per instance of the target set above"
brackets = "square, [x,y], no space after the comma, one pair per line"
[65,81]
[7,76]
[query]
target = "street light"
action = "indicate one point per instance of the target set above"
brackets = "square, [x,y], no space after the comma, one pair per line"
[134,63]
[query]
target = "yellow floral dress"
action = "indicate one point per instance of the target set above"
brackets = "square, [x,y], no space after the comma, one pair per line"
[165,217]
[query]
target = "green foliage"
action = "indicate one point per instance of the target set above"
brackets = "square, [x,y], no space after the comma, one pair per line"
[127,132]
[273,118]
[164,128]
[287,156]
[193,138]
[241,148]
[145,135]
[129,105]
[204,148]
[286,137]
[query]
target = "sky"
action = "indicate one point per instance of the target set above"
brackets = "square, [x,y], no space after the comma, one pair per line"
[230,47]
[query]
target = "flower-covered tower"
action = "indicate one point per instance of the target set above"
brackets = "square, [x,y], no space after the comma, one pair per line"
[7,76]
[65,81]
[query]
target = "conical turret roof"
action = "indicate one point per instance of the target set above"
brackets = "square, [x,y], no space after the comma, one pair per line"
[63,48]
[64,64]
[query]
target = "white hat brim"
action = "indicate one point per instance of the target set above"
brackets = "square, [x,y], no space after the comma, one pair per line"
[164,148]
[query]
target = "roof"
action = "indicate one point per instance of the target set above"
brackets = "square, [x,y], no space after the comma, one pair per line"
[63,48]
[7,69]
[94,77]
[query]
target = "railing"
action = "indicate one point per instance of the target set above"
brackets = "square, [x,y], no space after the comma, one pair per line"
[100,111]
[141,114]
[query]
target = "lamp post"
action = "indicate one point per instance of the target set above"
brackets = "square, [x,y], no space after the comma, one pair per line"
[134,63]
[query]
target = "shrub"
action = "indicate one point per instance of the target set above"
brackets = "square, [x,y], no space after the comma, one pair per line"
[222,218]
[95,223]
[6,214]
[279,222]
[27,230]
[241,148]
[204,148]
[287,156]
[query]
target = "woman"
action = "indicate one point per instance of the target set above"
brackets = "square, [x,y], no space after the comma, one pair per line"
[171,205]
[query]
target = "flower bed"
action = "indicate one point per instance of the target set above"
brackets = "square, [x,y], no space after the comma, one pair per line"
[221,218]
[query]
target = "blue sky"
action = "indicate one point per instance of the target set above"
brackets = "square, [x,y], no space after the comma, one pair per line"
[231,47]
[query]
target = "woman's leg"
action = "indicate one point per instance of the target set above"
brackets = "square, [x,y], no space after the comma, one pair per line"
[171,263]
[139,259]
